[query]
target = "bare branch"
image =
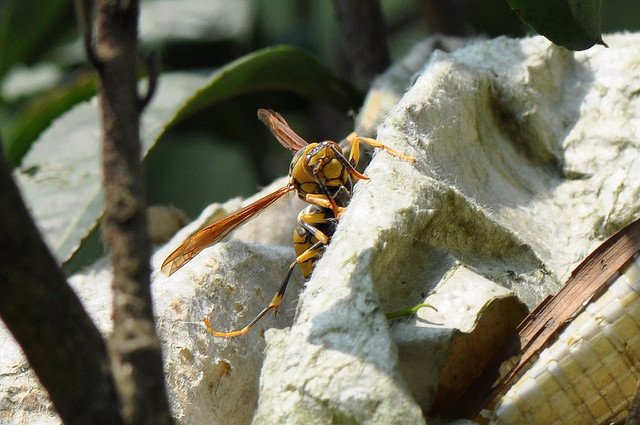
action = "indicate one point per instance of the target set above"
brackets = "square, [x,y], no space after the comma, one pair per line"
[84,16]
[63,346]
[153,65]
[135,346]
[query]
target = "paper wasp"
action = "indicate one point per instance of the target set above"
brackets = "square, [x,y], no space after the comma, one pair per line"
[321,175]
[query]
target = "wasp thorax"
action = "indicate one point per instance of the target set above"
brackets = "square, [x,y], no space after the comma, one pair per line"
[318,169]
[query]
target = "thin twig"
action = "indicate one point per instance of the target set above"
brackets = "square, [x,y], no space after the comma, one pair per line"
[84,16]
[153,66]
[362,25]
[135,346]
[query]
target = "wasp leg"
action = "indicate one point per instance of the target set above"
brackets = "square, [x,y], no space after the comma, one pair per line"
[325,193]
[324,196]
[274,304]
[320,179]
[276,301]
[348,163]
[314,225]
[307,218]
[322,201]
[355,140]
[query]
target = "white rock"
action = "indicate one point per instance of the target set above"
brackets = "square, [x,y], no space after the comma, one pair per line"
[516,177]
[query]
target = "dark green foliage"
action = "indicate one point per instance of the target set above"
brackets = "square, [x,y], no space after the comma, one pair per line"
[574,24]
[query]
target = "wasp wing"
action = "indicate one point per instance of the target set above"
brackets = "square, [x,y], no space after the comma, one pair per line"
[281,130]
[216,231]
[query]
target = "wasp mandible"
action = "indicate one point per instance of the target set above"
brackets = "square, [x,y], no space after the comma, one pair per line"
[321,175]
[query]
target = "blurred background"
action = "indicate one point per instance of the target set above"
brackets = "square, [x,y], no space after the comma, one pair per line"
[223,150]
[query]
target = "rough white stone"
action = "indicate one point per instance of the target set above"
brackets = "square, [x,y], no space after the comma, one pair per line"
[215,380]
[517,176]
[473,317]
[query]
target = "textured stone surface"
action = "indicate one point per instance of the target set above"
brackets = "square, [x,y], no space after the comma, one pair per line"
[521,171]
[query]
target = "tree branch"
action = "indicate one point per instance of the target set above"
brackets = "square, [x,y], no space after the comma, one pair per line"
[63,346]
[135,346]
[84,16]
[362,24]
[152,80]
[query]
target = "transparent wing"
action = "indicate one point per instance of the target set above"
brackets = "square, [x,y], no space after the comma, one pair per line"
[281,130]
[216,231]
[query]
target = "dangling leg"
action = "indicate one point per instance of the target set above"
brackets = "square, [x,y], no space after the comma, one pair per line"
[274,304]
[275,301]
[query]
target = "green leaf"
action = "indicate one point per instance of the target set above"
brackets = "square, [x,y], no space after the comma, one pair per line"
[280,68]
[574,24]
[41,111]
[409,311]
[27,28]
[60,177]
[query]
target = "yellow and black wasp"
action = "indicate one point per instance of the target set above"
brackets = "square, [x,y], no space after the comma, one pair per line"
[321,175]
